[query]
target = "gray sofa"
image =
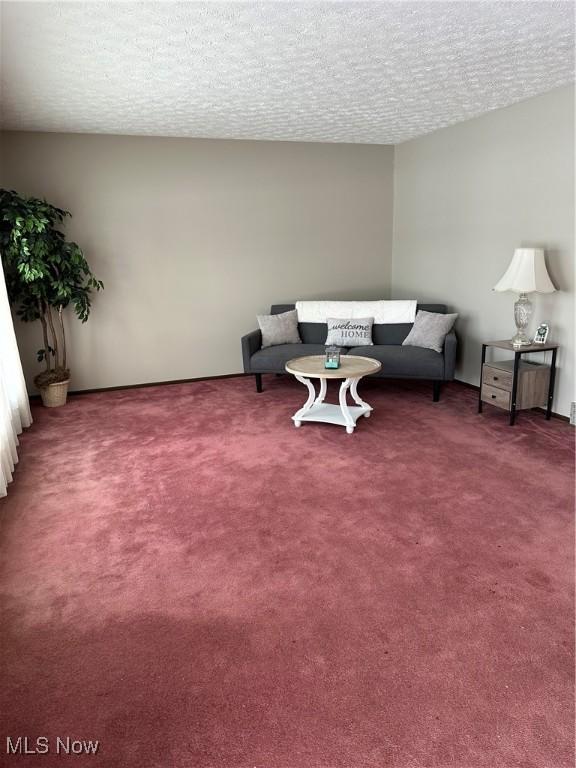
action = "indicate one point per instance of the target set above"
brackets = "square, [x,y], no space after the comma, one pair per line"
[398,362]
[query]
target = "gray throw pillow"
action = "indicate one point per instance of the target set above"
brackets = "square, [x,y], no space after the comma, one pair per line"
[279,329]
[349,333]
[429,330]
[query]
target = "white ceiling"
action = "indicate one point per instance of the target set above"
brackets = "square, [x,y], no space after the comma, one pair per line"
[365,72]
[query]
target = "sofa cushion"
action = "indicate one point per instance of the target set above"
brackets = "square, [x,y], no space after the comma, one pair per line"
[404,362]
[313,333]
[279,329]
[430,330]
[390,334]
[356,332]
[275,358]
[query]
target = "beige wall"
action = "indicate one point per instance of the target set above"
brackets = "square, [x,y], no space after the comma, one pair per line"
[465,197]
[192,238]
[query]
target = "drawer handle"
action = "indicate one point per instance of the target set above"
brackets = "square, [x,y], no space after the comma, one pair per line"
[493,397]
[495,378]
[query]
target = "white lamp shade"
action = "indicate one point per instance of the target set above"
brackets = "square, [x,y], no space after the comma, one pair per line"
[527,273]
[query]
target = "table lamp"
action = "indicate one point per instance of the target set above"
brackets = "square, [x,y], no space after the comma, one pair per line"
[526,274]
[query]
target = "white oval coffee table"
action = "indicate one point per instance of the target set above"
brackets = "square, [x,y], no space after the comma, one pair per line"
[352,369]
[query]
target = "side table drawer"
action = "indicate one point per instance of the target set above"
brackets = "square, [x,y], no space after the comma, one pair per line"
[497,378]
[495,396]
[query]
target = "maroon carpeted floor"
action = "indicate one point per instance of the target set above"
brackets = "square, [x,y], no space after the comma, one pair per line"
[193,582]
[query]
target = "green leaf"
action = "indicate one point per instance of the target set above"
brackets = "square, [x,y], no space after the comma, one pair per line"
[41,267]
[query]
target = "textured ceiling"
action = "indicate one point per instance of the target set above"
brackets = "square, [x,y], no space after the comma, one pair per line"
[366,72]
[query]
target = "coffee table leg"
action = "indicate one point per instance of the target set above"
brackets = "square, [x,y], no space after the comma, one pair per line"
[322,393]
[357,399]
[348,420]
[309,403]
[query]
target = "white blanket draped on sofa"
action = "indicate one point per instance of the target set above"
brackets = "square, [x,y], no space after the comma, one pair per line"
[383,311]
[14,405]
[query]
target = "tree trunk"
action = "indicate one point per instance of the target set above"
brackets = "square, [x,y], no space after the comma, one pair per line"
[54,337]
[63,332]
[45,335]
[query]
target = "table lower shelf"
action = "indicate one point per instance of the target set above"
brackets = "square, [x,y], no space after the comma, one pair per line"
[331,414]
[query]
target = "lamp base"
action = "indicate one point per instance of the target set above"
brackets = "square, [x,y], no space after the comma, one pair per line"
[520,340]
[522,315]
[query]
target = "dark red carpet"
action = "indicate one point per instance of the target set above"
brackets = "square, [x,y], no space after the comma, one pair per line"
[192,581]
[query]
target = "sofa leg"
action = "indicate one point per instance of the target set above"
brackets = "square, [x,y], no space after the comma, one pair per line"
[436,391]
[258,382]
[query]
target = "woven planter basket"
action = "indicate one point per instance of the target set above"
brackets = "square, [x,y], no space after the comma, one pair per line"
[54,395]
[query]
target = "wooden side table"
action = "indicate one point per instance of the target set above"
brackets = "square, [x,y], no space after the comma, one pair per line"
[516,384]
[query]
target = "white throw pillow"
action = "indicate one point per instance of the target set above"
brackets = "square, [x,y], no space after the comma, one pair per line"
[349,333]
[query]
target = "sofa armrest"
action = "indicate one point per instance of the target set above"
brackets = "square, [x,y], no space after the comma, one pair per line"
[450,346]
[250,343]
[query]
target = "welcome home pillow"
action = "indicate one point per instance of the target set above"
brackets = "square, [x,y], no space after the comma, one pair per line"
[429,330]
[279,329]
[349,333]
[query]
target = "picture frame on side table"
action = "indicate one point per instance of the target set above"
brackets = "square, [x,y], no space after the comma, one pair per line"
[542,332]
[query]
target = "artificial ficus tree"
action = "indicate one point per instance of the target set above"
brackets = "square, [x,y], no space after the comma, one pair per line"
[44,274]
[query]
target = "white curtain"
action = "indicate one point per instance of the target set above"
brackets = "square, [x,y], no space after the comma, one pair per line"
[14,405]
